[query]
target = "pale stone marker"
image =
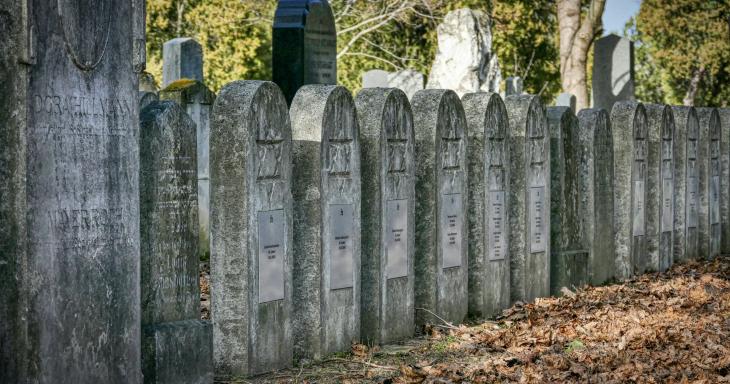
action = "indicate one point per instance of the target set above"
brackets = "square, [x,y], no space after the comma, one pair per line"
[687,197]
[566,100]
[251,230]
[630,150]
[69,227]
[407,80]
[176,346]
[529,209]
[489,195]
[725,179]
[388,214]
[613,71]
[376,78]
[661,187]
[595,188]
[513,86]
[441,207]
[182,58]
[326,190]
[710,182]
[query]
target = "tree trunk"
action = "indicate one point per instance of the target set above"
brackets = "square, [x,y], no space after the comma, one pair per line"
[694,86]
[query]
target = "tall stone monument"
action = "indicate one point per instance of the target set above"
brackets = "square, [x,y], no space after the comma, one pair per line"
[529,209]
[595,188]
[304,45]
[388,214]
[251,230]
[441,207]
[182,58]
[613,71]
[725,179]
[489,196]
[176,346]
[687,180]
[326,190]
[710,182]
[69,159]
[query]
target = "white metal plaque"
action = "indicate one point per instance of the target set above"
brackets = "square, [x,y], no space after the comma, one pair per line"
[715,200]
[341,255]
[397,238]
[667,203]
[272,243]
[538,235]
[693,201]
[496,226]
[451,227]
[639,212]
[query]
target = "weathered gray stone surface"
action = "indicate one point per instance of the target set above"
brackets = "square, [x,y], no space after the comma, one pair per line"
[388,214]
[529,206]
[182,58]
[687,197]
[710,182]
[513,86]
[613,71]
[407,80]
[660,188]
[566,100]
[304,45]
[375,78]
[69,227]
[251,229]
[326,190]
[441,206]
[630,152]
[465,62]
[595,189]
[197,100]
[168,244]
[147,82]
[725,179]
[147,98]
[489,196]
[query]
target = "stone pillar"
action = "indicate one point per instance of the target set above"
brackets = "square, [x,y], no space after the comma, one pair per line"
[596,189]
[613,71]
[725,179]
[251,230]
[441,207]
[182,58]
[376,78]
[513,86]
[326,190]
[529,209]
[566,100]
[388,214]
[687,198]
[710,171]
[489,196]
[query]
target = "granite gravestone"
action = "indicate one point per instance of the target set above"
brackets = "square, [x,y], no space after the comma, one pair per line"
[326,190]
[304,45]
[595,188]
[710,182]
[441,207]
[182,58]
[687,197]
[69,233]
[566,100]
[376,78]
[489,195]
[251,229]
[388,214]
[176,346]
[529,206]
[569,258]
[513,86]
[725,179]
[630,150]
[407,80]
[613,71]
[660,187]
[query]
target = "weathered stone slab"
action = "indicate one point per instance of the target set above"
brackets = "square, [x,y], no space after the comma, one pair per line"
[326,190]
[529,209]
[388,214]
[513,86]
[661,187]
[182,58]
[178,352]
[489,196]
[710,182]
[613,71]
[725,179]
[304,45]
[630,155]
[407,80]
[441,207]
[69,227]
[566,100]
[687,197]
[375,78]
[251,229]
[595,190]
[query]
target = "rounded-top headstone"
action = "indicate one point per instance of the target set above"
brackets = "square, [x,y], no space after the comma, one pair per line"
[182,58]
[710,182]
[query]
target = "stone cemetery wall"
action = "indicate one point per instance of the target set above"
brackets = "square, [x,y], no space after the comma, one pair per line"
[710,133]
[326,191]
[613,71]
[725,179]
[251,230]
[596,188]
[441,207]
[176,346]
[489,195]
[388,214]
[687,201]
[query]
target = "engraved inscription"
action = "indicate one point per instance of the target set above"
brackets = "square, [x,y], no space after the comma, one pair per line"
[715,200]
[667,205]
[341,254]
[693,199]
[496,226]
[639,211]
[397,238]
[272,243]
[451,227]
[538,237]
[321,50]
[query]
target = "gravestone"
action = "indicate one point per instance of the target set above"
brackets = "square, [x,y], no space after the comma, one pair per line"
[376,78]
[147,83]
[630,151]
[147,98]
[304,45]
[489,195]
[251,230]
[182,58]
[566,100]
[388,214]
[710,182]
[725,179]
[595,188]
[569,258]
[326,190]
[441,206]
[613,71]
[407,80]
[687,197]
[69,160]
[197,100]
[529,209]
[513,86]
[176,346]
[660,187]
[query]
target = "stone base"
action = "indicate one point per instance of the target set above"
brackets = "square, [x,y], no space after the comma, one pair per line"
[178,352]
[568,269]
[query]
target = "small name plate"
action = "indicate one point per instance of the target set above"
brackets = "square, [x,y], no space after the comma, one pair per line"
[639,222]
[538,237]
[397,238]
[451,226]
[341,229]
[496,226]
[272,241]
[693,199]
[667,205]
[715,200]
